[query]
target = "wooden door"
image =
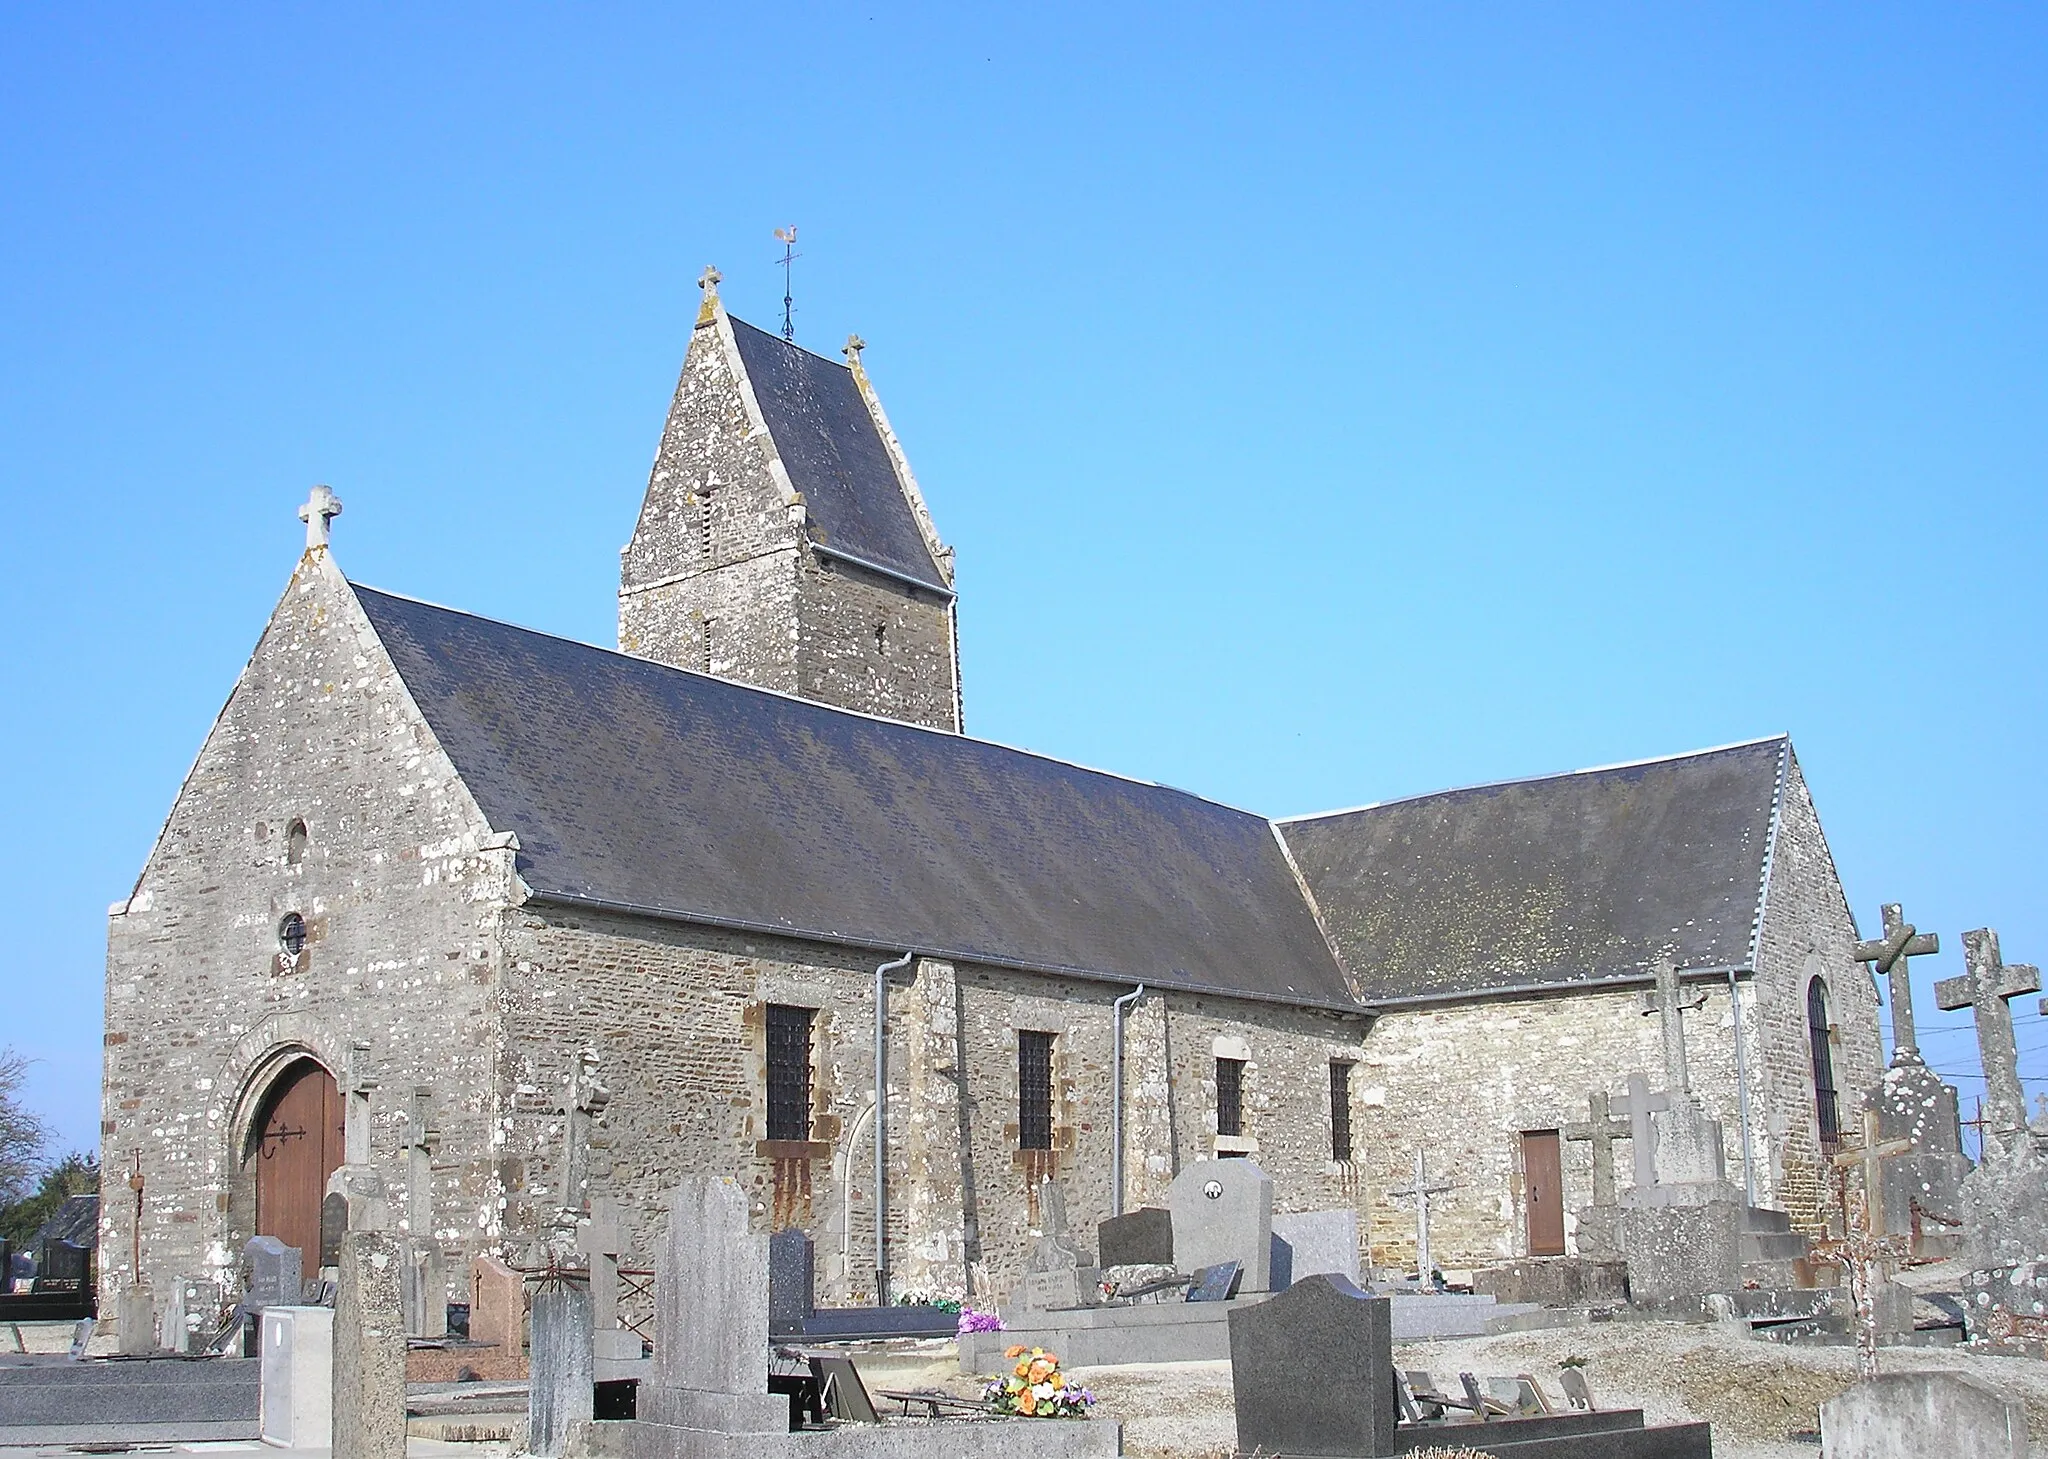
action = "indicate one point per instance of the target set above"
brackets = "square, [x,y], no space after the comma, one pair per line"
[298,1148]
[1543,1178]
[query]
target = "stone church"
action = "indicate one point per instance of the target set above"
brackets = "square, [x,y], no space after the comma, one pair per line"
[561,921]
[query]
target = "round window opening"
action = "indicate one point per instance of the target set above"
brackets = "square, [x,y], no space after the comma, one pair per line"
[291,934]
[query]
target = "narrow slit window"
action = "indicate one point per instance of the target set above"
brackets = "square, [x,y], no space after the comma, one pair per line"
[704,523]
[295,843]
[789,1072]
[706,645]
[1340,1110]
[1034,1090]
[1230,1098]
[1826,1108]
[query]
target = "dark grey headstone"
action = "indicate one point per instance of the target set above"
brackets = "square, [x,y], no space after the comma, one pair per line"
[1283,1264]
[333,1225]
[792,1291]
[275,1278]
[1215,1283]
[1140,1238]
[1313,1371]
[61,1267]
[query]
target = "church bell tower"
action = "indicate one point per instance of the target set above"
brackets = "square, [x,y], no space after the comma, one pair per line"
[783,541]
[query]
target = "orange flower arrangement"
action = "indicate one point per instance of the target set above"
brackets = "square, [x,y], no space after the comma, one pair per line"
[1036,1388]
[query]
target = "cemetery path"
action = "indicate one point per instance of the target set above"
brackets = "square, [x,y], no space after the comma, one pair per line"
[1754,1393]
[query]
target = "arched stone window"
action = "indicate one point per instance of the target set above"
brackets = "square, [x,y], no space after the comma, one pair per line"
[295,843]
[1826,1109]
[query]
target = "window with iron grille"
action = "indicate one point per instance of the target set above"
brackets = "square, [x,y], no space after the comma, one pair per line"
[1340,1110]
[1827,1110]
[1230,1097]
[1034,1090]
[789,1072]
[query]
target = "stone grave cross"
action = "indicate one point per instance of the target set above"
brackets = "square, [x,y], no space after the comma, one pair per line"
[582,1105]
[602,1239]
[422,1139]
[1602,1130]
[1889,956]
[1870,1156]
[322,507]
[1671,1002]
[1988,987]
[355,1110]
[1421,1190]
[1638,1106]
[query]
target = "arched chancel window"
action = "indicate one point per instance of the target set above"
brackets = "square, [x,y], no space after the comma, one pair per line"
[1825,1108]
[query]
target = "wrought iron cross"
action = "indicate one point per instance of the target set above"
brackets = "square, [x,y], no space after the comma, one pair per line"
[1870,1156]
[1421,1190]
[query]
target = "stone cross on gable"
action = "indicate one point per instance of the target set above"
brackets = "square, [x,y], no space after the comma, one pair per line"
[582,1105]
[602,1239]
[1637,1106]
[854,345]
[1671,1002]
[710,279]
[1602,1130]
[1988,987]
[1870,1156]
[1890,956]
[322,507]
[1421,1190]
[360,1086]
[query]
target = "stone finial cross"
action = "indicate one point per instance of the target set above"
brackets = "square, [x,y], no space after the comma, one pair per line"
[1602,1130]
[1637,1107]
[602,1239]
[1671,1003]
[1890,956]
[582,1104]
[1870,1156]
[1421,1190]
[854,345]
[322,507]
[360,1088]
[1988,987]
[710,279]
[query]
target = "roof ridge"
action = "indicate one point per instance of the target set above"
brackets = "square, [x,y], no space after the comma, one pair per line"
[882,719]
[1534,779]
[787,343]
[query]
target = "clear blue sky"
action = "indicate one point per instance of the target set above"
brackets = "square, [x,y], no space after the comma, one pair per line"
[1328,404]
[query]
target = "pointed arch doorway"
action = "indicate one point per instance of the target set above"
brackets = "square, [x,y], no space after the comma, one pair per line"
[295,1145]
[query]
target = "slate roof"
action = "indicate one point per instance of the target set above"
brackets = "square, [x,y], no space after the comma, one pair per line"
[653,788]
[835,456]
[76,1220]
[1550,882]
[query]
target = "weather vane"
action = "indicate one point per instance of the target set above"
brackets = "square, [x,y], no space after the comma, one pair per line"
[787,238]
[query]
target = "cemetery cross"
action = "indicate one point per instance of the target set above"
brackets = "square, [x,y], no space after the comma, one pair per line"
[1671,1003]
[581,1106]
[355,1109]
[602,1239]
[1890,956]
[1638,1106]
[1602,1130]
[1421,1190]
[1988,987]
[1870,1156]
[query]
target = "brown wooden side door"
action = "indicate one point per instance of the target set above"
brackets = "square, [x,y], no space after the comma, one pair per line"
[1543,1179]
[298,1147]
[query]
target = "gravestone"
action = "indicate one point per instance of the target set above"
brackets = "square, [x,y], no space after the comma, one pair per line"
[61,1266]
[711,1317]
[792,1282]
[1057,1274]
[1598,1230]
[333,1225]
[1223,1211]
[497,1304]
[602,1240]
[296,1376]
[135,1322]
[2005,1199]
[1314,1243]
[1217,1283]
[1312,1371]
[560,1390]
[1143,1237]
[369,1348]
[191,1314]
[274,1275]
[1910,1415]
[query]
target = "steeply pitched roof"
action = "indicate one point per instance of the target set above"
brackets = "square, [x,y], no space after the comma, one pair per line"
[1550,882]
[835,456]
[636,784]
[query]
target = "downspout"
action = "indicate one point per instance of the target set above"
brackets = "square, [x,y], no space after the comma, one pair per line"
[1116,1101]
[1742,1088]
[882,1126]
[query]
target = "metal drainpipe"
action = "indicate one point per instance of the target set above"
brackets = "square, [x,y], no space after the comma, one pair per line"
[882,1126]
[1116,1101]
[1741,1088]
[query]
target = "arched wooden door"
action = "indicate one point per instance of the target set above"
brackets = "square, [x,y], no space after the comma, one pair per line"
[298,1145]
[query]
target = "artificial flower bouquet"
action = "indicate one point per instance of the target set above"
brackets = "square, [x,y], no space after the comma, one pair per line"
[1036,1388]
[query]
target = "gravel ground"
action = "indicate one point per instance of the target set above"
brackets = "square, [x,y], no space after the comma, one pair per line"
[1754,1393]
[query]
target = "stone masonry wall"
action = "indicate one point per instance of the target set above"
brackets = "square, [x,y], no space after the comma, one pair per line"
[676,1015]
[399,887]
[1808,932]
[868,643]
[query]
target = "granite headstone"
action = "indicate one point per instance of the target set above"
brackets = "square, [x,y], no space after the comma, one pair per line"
[792,1282]
[1223,1211]
[1312,1371]
[1143,1237]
